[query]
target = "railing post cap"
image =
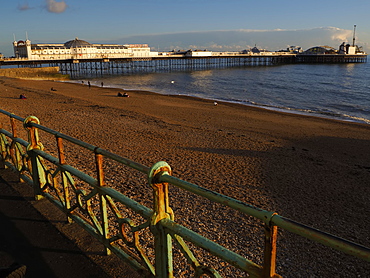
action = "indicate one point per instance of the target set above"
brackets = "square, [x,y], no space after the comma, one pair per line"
[31,119]
[158,167]
[268,217]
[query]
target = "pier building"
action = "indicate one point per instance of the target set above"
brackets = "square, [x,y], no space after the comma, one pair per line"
[78,49]
[198,53]
[343,49]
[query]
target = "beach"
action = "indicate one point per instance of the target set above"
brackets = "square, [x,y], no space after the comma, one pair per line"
[312,170]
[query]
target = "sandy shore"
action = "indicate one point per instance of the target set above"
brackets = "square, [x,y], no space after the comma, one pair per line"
[312,170]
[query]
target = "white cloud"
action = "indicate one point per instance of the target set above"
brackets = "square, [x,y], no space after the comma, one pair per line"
[56,7]
[342,36]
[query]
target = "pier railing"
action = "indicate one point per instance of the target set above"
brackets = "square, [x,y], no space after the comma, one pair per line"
[141,236]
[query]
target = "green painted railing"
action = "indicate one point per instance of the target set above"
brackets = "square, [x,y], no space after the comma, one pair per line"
[101,210]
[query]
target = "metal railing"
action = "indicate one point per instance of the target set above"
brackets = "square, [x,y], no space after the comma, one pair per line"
[100,210]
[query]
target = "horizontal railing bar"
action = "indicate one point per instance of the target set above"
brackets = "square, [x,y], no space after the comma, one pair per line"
[327,239]
[94,149]
[10,165]
[124,256]
[7,133]
[142,168]
[26,179]
[93,182]
[12,115]
[16,139]
[21,141]
[324,238]
[132,204]
[21,176]
[217,197]
[64,136]
[67,168]
[79,220]
[214,248]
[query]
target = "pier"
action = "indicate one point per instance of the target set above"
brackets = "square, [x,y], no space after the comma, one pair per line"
[80,58]
[163,63]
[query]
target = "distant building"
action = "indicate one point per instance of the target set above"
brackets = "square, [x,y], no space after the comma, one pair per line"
[79,49]
[198,53]
[255,51]
[348,49]
[292,49]
[320,50]
[343,49]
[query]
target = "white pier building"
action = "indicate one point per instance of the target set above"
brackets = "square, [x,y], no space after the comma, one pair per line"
[79,49]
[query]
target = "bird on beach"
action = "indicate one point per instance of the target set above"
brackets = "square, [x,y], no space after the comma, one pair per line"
[215,103]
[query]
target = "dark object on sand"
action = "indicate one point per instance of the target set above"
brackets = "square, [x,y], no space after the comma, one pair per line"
[22,96]
[122,95]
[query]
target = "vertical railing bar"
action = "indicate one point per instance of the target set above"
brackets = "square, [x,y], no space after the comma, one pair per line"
[3,149]
[60,147]
[62,161]
[12,149]
[102,200]
[269,259]
[14,129]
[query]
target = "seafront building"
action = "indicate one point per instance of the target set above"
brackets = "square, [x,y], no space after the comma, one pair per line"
[343,49]
[79,49]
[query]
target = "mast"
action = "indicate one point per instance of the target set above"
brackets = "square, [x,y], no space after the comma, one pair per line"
[354,34]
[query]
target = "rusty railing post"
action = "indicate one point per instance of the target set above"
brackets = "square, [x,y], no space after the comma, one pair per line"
[14,152]
[269,260]
[162,210]
[12,124]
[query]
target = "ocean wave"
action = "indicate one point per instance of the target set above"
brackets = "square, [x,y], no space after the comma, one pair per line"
[307,112]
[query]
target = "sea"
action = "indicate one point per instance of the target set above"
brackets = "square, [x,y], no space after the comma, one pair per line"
[336,91]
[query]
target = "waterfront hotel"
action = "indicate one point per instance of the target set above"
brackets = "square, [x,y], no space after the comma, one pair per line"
[79,49]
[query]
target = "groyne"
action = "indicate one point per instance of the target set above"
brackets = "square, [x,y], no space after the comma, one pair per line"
[44,73]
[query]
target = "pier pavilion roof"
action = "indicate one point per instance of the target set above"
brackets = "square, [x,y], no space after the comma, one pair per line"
[76,43]
[322,49]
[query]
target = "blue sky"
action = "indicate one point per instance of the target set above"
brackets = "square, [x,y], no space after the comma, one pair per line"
[117,21]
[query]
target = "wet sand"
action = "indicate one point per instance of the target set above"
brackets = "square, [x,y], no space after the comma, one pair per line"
[315,171]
